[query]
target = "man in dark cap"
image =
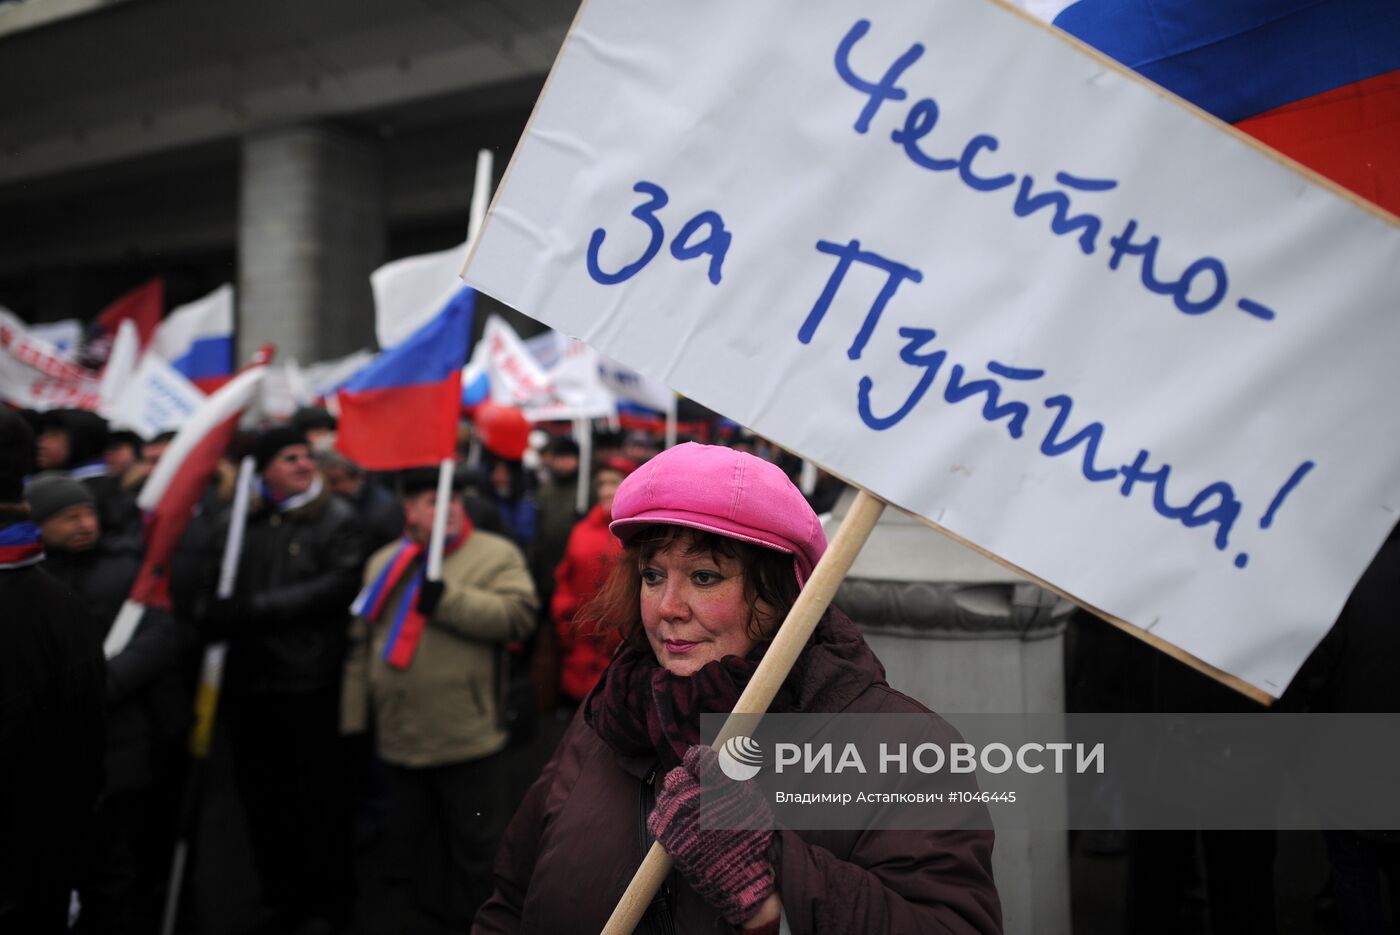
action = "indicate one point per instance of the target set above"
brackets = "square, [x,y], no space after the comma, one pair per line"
[75,442]
[122,453]
[100,569]
[286,625]
[427,653]
[51,685]
[316,424]
[72,440]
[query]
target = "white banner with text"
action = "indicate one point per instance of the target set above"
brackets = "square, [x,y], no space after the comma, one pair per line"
[946,253]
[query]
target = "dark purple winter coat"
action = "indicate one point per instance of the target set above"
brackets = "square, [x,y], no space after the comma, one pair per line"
[574,844]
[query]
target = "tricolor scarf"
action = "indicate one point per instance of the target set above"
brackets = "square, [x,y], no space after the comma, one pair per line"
[407,627]
[20,546]
[639,707]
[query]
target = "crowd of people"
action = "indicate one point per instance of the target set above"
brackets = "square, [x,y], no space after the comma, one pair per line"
[352,682]
[358,689]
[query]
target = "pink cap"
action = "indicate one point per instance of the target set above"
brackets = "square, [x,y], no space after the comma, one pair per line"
[723,491]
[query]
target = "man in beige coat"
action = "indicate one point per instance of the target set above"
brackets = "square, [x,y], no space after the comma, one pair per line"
[423,661]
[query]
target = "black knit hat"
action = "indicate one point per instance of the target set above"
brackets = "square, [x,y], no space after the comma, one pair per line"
[16,455]
[52,492]
[561,445]
[313,417]
[416,480]
[274,440]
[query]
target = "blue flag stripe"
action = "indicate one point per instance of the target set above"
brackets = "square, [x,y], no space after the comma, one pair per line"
[1244,57]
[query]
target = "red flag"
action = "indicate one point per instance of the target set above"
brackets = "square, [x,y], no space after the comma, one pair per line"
[143,305]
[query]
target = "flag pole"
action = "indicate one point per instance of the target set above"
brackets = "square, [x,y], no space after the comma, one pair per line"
[440,507]
[481,198]
[481,194]
[787,645]
[671,422]
[583,434]
[237,526]
[206,703]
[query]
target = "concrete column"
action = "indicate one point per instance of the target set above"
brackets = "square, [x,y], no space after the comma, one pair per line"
[961,634]
[310,231]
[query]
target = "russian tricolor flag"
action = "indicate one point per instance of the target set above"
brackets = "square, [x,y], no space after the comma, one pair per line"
[401,410]
[197,339]
[1318,81]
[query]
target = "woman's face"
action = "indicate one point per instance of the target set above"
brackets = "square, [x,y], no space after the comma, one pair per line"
[694,609]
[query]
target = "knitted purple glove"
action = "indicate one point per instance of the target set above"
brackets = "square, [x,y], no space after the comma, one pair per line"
[729,869]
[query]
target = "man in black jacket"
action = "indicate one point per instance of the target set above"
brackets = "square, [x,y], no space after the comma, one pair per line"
[51,683]
[100,570]
[286,624]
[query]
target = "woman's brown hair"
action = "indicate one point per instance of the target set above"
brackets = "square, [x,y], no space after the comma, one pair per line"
[769,578]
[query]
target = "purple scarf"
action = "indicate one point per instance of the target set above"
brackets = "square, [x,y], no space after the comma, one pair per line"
[638,707]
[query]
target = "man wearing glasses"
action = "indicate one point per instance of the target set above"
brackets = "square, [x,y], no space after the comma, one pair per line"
[286,624]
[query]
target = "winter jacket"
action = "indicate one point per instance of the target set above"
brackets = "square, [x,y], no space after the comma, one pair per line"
[583,655]
[441,709]
[574,844]
[1354,668]
[297,574]
[51,683]
[137,676]
[380,512]
[556,515]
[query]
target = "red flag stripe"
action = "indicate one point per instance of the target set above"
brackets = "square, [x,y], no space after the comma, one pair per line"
[400,427]
[1350,134]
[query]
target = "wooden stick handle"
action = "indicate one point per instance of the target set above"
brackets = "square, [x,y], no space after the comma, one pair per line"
[791,638]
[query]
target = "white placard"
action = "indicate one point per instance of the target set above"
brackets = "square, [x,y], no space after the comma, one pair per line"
[944,252]
[576,390]
[517,379]
[36,375]
[156,398]
[636,387]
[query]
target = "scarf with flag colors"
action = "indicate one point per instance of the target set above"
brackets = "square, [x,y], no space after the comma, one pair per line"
[407,626]
[20,545]
[1318,81]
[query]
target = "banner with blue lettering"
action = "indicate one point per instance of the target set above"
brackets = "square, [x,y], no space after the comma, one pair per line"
[994,278]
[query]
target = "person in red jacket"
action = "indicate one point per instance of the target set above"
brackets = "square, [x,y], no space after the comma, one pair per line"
[583,651]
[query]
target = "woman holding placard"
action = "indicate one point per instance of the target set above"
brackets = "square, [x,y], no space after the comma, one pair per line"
[717,544]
